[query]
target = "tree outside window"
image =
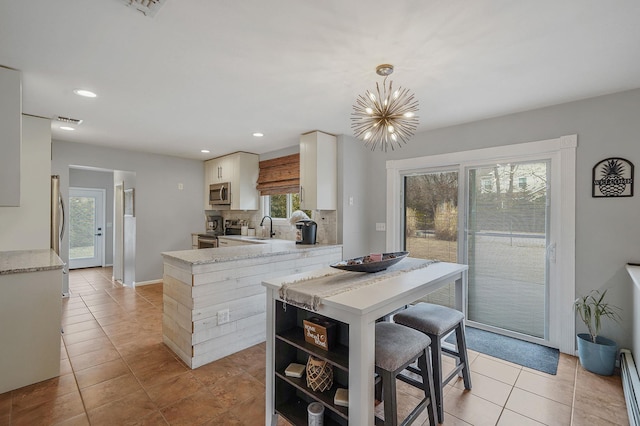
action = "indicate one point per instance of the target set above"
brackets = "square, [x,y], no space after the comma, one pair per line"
[282,205]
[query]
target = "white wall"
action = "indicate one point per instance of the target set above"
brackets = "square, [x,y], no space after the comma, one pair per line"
[27,226]
[353,184]
[81,178]
[165,215]
[607,231]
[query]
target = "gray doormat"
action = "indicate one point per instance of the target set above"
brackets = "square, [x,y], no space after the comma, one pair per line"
[519,352]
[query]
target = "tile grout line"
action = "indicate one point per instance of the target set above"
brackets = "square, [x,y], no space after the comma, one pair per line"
[125,363]
[573,399]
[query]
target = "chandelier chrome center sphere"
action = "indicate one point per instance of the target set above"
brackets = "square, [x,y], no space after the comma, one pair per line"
[385,117]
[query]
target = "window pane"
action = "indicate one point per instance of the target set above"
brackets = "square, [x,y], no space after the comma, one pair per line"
[295,203]
[431,223]
[82,223]
[278,206]
[506,244]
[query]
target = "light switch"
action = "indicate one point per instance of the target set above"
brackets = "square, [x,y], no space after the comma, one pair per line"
[351,200]
[180,186]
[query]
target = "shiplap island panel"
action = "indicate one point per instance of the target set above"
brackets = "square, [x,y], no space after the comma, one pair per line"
[198,285]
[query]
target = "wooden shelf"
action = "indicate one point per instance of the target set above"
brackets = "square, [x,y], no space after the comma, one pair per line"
[337,356]
[326,397]
[292,396]
[295,412]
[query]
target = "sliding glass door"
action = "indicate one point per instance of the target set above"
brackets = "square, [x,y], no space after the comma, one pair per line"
[505,209]
[505,243]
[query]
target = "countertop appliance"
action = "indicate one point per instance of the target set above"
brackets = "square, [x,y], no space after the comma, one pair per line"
[232,228]
[214,225]
[207,241]
[306,231]
[220,194]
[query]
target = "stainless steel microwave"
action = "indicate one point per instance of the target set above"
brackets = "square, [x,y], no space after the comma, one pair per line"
[220,194]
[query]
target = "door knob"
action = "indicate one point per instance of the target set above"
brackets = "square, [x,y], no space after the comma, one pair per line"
[98,234]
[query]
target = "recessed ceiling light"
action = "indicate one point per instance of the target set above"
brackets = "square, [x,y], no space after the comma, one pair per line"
[85,93]
[205,151]
[66,128]
[258,134]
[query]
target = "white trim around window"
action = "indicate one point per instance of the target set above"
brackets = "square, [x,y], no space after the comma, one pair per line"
[562,152]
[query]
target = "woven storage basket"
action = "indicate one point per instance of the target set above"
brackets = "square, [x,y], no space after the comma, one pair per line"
[319,374]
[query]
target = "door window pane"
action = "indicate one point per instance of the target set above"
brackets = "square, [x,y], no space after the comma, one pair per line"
[506,244]
[82,224]
[431,223]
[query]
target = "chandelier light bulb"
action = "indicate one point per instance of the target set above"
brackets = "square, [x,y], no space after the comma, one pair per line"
[385,117]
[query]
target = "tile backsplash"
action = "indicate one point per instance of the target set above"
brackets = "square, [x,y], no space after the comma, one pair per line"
[326,220]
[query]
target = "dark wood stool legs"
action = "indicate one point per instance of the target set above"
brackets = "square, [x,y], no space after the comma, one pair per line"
[437,322]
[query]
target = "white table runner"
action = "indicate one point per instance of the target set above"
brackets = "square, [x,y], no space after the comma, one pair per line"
[308,293]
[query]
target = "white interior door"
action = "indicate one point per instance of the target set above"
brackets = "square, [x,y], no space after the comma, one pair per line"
[86,227]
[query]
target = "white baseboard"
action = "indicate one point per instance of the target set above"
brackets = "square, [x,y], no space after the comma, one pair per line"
[139,283]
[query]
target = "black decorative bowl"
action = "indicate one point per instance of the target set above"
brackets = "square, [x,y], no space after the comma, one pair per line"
[361,264]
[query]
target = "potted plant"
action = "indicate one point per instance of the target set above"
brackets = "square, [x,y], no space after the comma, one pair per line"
[597,354]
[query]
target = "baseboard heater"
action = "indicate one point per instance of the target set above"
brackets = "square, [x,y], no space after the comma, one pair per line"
[631,386]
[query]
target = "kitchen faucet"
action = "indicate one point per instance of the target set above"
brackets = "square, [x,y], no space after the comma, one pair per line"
[271,233]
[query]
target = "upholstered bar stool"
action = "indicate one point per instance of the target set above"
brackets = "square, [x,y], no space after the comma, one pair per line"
[396,348]
[437,322]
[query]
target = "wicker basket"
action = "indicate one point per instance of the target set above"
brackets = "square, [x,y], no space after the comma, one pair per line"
[319,374]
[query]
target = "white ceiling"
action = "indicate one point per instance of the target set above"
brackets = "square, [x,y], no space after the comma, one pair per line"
[209,73]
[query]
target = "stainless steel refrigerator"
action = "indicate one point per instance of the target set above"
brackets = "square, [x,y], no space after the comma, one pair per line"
[57,214]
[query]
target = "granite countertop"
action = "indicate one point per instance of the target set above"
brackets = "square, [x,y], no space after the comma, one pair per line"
[263,248]
[15,262]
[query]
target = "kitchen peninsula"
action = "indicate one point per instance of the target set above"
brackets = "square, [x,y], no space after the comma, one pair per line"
[214,303]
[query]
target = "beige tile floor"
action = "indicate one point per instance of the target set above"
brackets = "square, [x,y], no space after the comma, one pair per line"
[115,370]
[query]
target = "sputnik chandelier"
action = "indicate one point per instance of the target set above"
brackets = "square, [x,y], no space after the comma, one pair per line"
[385,117]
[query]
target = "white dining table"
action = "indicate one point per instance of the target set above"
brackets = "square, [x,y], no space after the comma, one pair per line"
[359,308]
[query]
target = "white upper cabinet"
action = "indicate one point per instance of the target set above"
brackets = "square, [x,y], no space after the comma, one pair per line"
[10,136]
[221,168]
[240,170]
[318,171]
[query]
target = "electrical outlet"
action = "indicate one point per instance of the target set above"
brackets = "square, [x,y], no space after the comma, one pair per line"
[223,316]
[381,226]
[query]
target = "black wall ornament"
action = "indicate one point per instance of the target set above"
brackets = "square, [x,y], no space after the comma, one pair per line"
[612,177]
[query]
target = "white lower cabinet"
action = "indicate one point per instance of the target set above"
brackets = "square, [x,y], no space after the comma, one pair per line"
[30,318]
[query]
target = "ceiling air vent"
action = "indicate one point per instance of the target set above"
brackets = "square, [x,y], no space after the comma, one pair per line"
[146,7]
[69,120]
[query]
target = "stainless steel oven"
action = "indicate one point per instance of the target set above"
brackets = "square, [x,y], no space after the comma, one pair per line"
[207,241]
